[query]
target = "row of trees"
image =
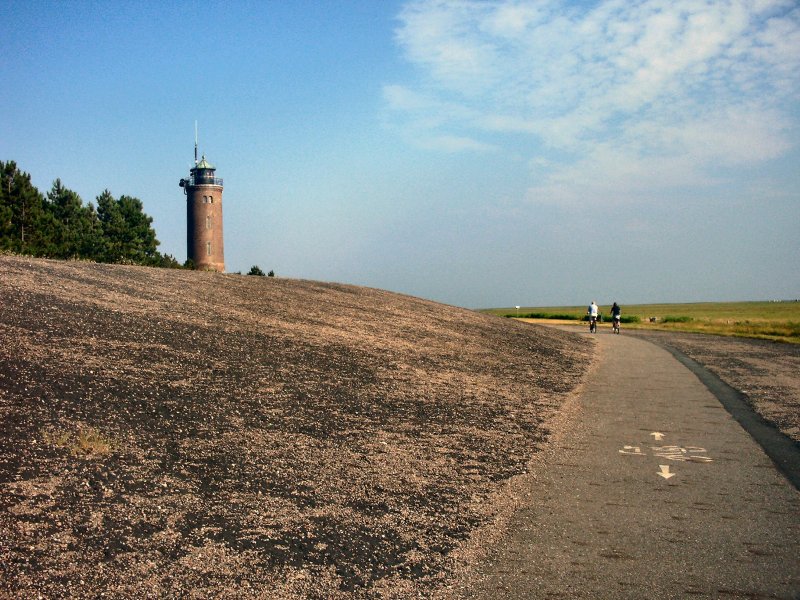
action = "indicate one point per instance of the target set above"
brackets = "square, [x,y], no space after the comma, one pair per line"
[256,270]
[60,225]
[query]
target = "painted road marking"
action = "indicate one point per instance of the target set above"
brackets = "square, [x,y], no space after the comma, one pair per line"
[665,472]
[671,452]
[682,454]
[676,453]
[634,450]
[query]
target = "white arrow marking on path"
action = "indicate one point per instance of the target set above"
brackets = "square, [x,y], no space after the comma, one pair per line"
[665,472]
[658,436]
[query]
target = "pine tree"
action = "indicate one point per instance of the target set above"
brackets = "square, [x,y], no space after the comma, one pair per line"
[91,244]
[127,233]
[111,226]
[25,232]
[75,234]
[140,243]
[7,171]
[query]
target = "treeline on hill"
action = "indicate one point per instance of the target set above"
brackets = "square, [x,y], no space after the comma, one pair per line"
[60,225]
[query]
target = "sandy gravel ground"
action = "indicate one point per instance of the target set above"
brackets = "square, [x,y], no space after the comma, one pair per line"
[767,373]
[182,434]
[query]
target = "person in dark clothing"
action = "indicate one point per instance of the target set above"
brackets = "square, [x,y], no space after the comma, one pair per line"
[615,317]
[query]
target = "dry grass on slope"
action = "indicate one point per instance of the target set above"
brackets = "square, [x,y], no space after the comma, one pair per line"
[254,437]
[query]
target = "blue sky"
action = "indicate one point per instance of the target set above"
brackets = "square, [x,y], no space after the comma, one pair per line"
[478,153]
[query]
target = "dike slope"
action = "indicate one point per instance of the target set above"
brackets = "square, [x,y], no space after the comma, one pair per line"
[187,434]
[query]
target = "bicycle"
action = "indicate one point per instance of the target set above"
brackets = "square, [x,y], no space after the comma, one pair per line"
[615,325]
[592,324]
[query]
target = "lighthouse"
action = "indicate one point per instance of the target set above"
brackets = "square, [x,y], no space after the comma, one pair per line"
[203,191]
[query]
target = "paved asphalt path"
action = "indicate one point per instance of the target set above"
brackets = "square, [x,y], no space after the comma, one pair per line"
[655,492]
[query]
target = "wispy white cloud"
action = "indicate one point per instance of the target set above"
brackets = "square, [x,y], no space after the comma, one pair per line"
[650,90]
[429,121]
[455,143]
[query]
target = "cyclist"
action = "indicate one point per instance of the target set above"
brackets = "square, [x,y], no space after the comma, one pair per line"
[593,312]
[615,317]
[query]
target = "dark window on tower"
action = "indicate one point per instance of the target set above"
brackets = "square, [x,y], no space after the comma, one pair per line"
[208,222]
[208,248]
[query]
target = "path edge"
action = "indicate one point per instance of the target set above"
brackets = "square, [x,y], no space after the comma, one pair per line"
[780,448]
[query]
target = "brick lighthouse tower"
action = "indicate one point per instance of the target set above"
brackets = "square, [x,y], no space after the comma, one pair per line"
[203,191]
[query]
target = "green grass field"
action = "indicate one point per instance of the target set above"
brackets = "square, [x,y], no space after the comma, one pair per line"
[778,321]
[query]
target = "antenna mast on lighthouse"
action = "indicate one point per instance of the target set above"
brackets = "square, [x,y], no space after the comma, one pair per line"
[195,143]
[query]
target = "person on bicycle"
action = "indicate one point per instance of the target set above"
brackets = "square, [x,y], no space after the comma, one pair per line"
[615,316]
[593,312]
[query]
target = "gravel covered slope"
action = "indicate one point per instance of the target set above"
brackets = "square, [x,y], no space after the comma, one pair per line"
[187,434]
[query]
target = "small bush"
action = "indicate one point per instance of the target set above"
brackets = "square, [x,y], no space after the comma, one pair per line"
[256,270]
[674,319]
[91,442]
[167,261]
[88,441]
[60,439]
[542,316]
